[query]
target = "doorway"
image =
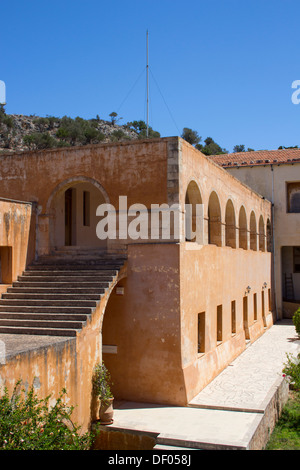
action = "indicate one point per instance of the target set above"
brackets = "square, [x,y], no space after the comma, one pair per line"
[74,219]
[70,217]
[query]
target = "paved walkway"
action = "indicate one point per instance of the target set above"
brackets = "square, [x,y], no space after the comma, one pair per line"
[244,385]
[229,410]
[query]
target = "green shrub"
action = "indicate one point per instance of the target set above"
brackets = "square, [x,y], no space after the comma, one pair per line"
[296,321]
[40,141]
[29,423]
[141,128]
[117,135]
[102,383]
[292,370]
[46,122]
[287,430]
[5,119]
[78,131]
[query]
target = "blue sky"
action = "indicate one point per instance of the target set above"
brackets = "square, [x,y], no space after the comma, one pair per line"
[221,67]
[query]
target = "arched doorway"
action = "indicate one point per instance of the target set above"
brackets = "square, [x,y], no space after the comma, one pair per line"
[243,229]
[72,208]
[253,232]
[261,234]
[214,220]
[230,229]
[193,213]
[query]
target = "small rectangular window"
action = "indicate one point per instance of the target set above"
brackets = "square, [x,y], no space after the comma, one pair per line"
[233,317]
[255,306]
[293,197]
[201,332]
[245,317]
[263,303]
[86,208]
[219,323]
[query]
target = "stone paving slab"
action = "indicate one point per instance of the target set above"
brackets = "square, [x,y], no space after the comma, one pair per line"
[188,427]
[245,384]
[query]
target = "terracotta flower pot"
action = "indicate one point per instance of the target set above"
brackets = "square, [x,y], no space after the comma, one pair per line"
[106,412]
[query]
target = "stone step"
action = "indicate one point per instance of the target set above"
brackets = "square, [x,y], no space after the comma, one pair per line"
[172,448]
[69,270]
[48,299]
[62,278]
[57,284]
[53,295]
[73,260]
[72,325]
[79,258]
[59,290]
[45,309]
[44,316]
[50,303]
[14,330]
[57,297]
[76,265]
[83,253]
[63,272]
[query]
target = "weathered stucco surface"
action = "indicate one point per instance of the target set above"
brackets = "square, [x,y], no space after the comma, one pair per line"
[15,247]
[152,325]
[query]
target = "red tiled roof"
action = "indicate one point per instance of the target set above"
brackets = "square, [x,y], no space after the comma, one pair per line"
[258,157]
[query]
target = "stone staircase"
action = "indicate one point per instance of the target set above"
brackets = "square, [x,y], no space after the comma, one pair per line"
[57,294]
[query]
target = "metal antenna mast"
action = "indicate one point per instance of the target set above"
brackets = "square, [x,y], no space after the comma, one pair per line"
[147,68]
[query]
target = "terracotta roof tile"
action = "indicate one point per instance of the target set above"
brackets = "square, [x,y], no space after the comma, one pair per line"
[258,157]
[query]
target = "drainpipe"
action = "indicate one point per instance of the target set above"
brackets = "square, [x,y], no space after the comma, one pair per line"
[273,242]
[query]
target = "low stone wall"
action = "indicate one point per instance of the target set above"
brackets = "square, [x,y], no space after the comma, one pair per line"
[111,439]
[274,404]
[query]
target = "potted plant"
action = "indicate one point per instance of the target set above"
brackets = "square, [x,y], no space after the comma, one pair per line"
[102,389]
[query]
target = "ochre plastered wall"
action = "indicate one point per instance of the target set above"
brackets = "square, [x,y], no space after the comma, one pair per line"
[67,363]
[151,324]
[137,170]
[17,224]
[211,276]
[145,324]
[166,285]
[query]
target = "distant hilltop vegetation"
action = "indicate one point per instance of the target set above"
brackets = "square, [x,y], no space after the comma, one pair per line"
[22,133]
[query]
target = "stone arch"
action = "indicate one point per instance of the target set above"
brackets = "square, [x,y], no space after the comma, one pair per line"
[214,220]
[261,231]
[193,213]
[71,209]
[65,184]
[243,242]
[230,225]
[253,232]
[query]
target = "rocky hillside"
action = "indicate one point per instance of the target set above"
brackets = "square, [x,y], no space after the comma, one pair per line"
[22,133]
